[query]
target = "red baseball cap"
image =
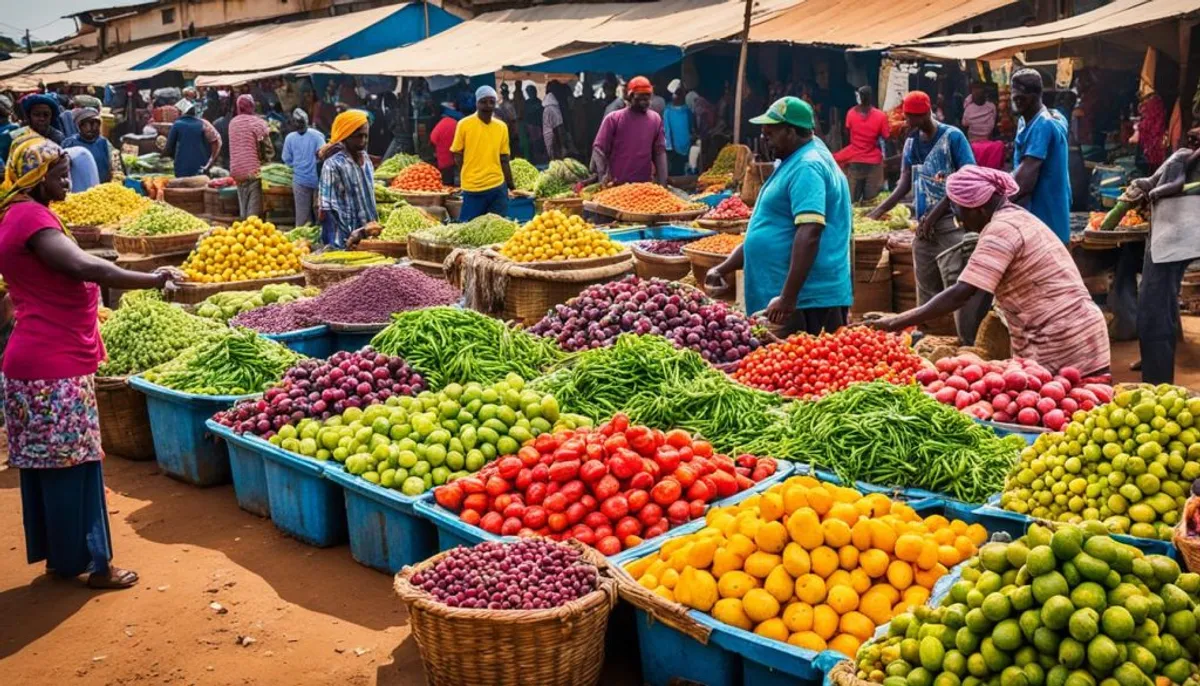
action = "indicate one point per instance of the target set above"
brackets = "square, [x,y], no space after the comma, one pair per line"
[917,102]
[639,84]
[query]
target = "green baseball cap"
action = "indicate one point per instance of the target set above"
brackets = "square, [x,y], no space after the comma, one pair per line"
[787,110]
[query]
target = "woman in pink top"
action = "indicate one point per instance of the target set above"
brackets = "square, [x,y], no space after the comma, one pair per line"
[862,158]
[49,399]
[1018,259]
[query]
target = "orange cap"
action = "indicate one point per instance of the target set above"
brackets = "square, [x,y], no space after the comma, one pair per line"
[639,84]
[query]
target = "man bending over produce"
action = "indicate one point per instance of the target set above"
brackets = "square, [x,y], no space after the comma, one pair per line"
[631,145]
[347,187]
[481,152]
[1018,259]
[796,255]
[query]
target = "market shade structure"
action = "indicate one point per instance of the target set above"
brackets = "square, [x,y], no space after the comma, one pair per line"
[139,63]
[867,23]
[31,80]
[1121,15]
[22,63]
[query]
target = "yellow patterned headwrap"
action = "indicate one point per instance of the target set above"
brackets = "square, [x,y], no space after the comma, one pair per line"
[29,161]
[345,124]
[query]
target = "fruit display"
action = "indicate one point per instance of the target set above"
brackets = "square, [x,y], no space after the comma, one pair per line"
[414,443]
[720,174]
[536,575]
[421,177]
[320,389]
[553,235]
[106,203]
[454,345]
[642,198]
[486,229]
[663,247]
[250,249]
[729,209]
[220,182]
[228,304]
[610,487]
[560,178]
[1068,606]
[524,174]
[1129,464]
[405,219]
[232,362]
[309,233]
[395,164]
[897,219]
[160,219]
[1130,220]
[682,314]
[348,258]
[808,563]
[1016,390]
[892,436]
[145,332]
[387,196]
[721,243]
[806,366]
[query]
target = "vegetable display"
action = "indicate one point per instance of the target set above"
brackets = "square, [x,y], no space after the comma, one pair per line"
[682,314]
[1129,219]
[145,331]
[1070,606]
[806,366]
[250,249]
[895,436]
[160,219]
[535,575]
[560,178]
[453,345]
[106,203]
[235,362]
[553,235]
[525,175]
[721,171]
[721,243]
[396,164]
[1129,464]
[276,174]
[729,209]
[310,233]
[413,444]
[610,487]
[809,563]
[421,177]
[225,305]
[642,198]
[897,219]
[405,219]
[486,229]
[319,389]
[664,247]
[387,196]
[349,258]
[1016,390]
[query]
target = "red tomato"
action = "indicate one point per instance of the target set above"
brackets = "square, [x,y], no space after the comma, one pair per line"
[609,545]
[666,492]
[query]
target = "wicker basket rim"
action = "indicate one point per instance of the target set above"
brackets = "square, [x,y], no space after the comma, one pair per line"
[722,222]
[705,253]
[319,267]
[654,258]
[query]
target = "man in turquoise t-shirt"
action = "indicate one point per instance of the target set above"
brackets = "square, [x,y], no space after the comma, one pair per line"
[1040,164]
[796,255]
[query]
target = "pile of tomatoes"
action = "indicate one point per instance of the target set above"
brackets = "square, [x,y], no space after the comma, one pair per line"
[642,198]
[608,487]
[805,366]
[422,177]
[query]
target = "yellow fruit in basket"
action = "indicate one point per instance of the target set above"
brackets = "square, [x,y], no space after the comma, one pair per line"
[771,537]
[770,507]
[701,553]
[810,588]
[805,528]
[649,581]
[664,592]
[836,532]
[798,616]
[554,236]
[824,561]
[729,610]
[845,644]
[900,574]
[809,640]
[725,561]
[669,578]
[779,584]
[848,557]
[772,628]
[250,249]
[741,545]
[736,584]
[876,604]
[696,589]
[842,599]
[796,560]
[825,621]
[760,564]
[840,577]
[760,605]
[874,562]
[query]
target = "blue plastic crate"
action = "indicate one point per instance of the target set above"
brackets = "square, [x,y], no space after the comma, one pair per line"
[714,199]
[304,503]
[385,531]
[246,468]
[451,531]
[1029,433]
[992,515]
[134,183]
[183,445]
[520,209]
[353,340]
[666,232]
[315,341]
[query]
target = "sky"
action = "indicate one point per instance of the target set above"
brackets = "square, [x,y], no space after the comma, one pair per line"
[43,17]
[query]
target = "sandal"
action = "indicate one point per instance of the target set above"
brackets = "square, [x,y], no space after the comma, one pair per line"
[116,578]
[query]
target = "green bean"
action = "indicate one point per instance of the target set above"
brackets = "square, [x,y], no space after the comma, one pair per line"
[232,362]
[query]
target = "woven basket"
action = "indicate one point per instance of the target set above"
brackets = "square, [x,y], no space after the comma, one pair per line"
[724,225]
[872,281]
[424,199]
[424,250]
[643,218]
[1189,546]
[845,673]
[124,422]
[86,236]
[325,275]
[396,249]
[188,199]
[993,337]
[453,205]
[568,206]
[563,646]
[434,269]
[701,262]
[147,263]
[576,264]
[649,265]
[158,245]
[188,293]
[212,202]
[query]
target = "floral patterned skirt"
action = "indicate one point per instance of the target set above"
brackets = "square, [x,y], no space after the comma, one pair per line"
[52,423]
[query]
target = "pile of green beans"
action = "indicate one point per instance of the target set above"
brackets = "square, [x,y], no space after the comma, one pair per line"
[236,362]
[894,436]
[454,345]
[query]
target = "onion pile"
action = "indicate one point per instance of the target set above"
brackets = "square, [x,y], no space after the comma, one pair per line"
[530,574]
[322,388]
[665,248]
[683,315]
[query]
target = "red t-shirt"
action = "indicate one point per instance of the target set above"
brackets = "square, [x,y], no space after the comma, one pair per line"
[864,137]
[442,137]
[57,335]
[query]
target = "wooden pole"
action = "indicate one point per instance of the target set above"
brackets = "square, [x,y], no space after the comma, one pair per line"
[1187,78]
[741,76]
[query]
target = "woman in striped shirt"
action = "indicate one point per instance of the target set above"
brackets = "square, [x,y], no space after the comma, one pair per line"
[1050,315]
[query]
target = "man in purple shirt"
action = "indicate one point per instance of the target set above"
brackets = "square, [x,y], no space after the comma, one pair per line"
[631,145]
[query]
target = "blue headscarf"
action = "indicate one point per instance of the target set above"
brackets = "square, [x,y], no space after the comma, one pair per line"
[50,101]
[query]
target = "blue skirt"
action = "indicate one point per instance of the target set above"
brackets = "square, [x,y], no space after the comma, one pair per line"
[66,519]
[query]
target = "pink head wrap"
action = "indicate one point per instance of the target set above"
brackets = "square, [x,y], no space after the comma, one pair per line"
[972,186]
[245,104]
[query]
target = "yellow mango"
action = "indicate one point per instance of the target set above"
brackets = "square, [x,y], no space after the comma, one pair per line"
[700,555]
[771,537]
[697,588]
[736,584]
[725,560]
[796,560]
[770,507]
[805,528]
[760,564]
[779,584]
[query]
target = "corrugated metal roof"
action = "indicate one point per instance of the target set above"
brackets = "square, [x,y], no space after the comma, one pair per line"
[120,68]
[867,23]
[1117,16]
[30,80]
[25,62]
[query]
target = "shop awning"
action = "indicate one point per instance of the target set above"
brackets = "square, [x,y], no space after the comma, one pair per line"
[1120,15]
[22,62]
[867,23]
[30,80]
[131,65]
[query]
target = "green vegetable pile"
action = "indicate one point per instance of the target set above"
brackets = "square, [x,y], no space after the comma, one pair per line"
[487,229]
[412,444]
[452,345]
[276,174]
[897,220]
[160,219]
[394,165]
[145,331]
[525,175]
[560,178]
[228,304]
[892,435]
[237,362]
[403,220]
[309,232]
[661,386]
[387,196]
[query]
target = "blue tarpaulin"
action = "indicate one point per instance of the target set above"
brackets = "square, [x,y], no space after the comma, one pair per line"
[398,29]
[622,58]
[172,53]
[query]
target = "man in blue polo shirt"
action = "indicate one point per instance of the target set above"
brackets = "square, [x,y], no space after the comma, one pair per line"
[1040,164]
[796,257]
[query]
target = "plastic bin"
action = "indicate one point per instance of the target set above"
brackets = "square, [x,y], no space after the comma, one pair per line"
[714,199]
[667,232]
[315,341]
[183,445]
[352,338]
[1029,433]
[386,532]
[304,503]
[134,183]
[246,468]
[520,209]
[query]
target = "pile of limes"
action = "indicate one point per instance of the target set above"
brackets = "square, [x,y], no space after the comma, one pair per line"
[553,235]
[106,203]
[250,249]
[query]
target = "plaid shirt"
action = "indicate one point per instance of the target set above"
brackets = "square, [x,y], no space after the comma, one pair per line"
[347,194]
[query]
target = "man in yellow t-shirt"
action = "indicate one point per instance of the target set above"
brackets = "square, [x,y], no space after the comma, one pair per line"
[481,152]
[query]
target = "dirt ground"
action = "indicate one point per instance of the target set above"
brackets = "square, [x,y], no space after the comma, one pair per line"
[284,613]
